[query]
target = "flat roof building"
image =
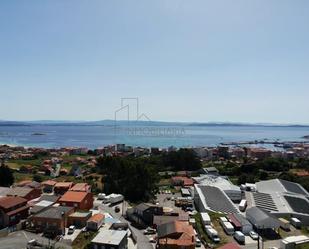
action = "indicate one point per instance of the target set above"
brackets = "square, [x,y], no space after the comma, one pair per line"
[110,239]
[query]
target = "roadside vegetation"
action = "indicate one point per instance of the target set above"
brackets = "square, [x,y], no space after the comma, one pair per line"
[137,178]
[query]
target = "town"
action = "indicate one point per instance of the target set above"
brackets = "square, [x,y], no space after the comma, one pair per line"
[119,196]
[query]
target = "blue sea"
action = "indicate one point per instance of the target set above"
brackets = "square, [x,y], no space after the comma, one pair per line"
[55,136]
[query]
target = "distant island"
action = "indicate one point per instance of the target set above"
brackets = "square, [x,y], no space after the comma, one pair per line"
[306,137]
[109,122]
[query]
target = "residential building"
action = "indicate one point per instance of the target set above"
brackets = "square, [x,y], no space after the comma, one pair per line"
[48,186]
[25,192]
[95,222]
[259,153]
[81,187]
[40,206]
[4,191]
[183,181]
[143,213]
[61,187]
[53,220]
[110,239]
[12,210]
[176,235]
[78,200]
[79,219]
[211,171]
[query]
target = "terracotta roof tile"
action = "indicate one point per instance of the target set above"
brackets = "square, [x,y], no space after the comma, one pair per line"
[64,184]
[80,187]
[7,202]
[97,217]
[72,196]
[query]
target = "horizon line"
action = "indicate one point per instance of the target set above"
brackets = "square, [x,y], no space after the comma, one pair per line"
[158,121]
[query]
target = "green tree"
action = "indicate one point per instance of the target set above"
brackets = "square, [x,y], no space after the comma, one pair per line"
[37,178]
[135,178]
[6,176]
[183,159]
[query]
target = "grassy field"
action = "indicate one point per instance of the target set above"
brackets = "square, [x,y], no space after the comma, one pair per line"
[21,177]
[14,165]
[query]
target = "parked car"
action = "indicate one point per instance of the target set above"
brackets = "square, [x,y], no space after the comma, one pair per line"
[239,237]
[71,229]
[198,243]
[254,235]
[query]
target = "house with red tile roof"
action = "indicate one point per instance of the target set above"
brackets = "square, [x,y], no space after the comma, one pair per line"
[61,187]
[95,222]
[81,187]
[78,200]
[12,210]
[182,181]
[25,192]
[176,235]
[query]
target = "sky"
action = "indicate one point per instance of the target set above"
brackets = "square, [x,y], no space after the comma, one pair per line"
[193,61]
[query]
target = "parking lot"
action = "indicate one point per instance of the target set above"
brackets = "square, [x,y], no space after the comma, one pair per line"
[167,200]
[20,239]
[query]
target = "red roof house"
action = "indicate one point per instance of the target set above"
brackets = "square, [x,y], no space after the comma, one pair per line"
[78,200]
[81,187]
[12,210]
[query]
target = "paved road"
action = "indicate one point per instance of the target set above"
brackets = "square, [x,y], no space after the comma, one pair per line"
[20,239]
[142,240]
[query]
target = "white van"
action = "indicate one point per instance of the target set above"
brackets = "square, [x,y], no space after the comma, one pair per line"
[206,219]
[242,205]
[228,228]
[222,220]
[296,222]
